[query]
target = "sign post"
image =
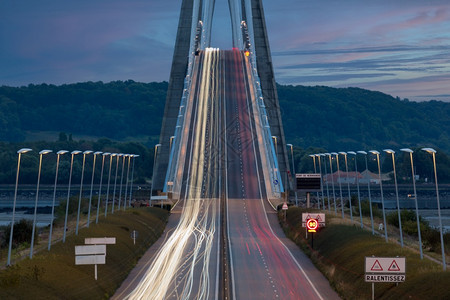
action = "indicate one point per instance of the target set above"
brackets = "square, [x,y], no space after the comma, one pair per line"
[284,208]
[312,225]
[93,253]
[134,235]
[384,269]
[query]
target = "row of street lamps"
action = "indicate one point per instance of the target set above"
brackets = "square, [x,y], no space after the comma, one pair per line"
[73,153]
[377,154]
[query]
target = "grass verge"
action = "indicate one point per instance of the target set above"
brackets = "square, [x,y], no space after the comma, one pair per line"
[339,252]
[54,275]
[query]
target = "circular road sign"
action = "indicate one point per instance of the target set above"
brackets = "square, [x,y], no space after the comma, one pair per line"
[312,225]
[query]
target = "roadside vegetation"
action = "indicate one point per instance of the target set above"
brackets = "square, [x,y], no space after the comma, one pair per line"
[340,248]
[54,275]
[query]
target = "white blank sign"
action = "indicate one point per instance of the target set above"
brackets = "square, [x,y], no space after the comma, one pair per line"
[90,259]
[90,249]
[100,241]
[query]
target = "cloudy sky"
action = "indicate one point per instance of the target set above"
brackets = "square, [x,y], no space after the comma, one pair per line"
[399,47]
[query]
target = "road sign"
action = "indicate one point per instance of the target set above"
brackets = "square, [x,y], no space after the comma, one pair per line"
[100,241]
[285,206]
[319,217]
[90,259]
[312,225]
[275,181]
[385,269]
[308,182]
[90,249]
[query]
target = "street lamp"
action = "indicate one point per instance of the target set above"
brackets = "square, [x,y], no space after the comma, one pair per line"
[68,193]
[276,149]
[348,184]
[109,180]
[313,156]
[375,152]
[20,152]
[171,140]
[357,186]
[326,182]
[100,186]
[332,182]
[407,150]
[392,152]
[41,153]
[124,156]
[81,188]
[153,175]
[368,188]
[433,154]
[293,173]
[321,185]
[115,182]
[339,181]
[92,185]
[132,177]
[58,154]
[126,183]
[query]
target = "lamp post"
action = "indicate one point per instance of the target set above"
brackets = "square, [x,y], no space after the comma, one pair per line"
[19,152]
[68,193]
[100,186]
[81,188]
[109,180]
[41,153]
[357,186]
[58,154]
[126,183]
[407,150]
[132,177]
[348,184]
[368,188]
[92,185]
[375,152]
[276,144]
[321,185]
[332,183]
[433,154]
[293,173]
[115,181]
[339,181]
[392,152]
[124,156]
[171,140]
[313,156]
[326,182]
[154,175]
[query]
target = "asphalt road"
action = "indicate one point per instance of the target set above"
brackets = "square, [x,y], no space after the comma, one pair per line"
[223,163]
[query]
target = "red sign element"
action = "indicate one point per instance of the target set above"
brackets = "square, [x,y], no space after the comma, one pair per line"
[394,266]
[312,225]
[376,266]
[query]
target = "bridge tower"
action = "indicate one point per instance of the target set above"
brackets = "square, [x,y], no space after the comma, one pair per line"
[190,15]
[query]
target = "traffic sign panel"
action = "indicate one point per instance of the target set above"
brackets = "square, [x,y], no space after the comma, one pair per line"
[387,265]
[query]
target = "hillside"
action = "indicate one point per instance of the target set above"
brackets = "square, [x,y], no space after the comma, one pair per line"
[353,118]
[330,118]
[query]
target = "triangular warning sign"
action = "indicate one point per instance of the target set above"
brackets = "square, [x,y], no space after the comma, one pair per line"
[394,266]
[376,266]
[308,217]
[318,218]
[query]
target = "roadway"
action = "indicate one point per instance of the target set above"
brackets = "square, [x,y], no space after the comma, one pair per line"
[223,178]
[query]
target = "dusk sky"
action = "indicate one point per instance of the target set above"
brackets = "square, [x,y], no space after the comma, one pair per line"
[399,47]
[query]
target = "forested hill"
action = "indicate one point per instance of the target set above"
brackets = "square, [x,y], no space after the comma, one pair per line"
[354,118]
[335,119]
